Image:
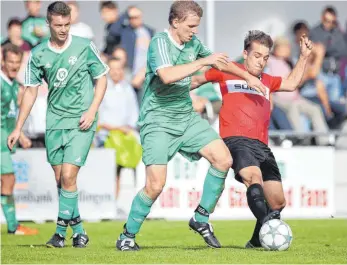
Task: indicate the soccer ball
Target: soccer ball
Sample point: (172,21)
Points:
(275,235)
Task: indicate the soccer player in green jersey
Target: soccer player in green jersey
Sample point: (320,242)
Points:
(169,124)
(10,97)
(68,64)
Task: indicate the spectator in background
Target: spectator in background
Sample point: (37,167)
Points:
(313,86)
(34,27)
(135,38)
(118,110)
(292,103)
(77,28)
(121,54)
(335,45)
(110,14)
(14,35)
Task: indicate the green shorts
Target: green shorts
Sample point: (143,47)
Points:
(160,144)
(6,160)
(68,146)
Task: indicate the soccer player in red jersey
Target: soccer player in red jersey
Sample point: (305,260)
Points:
(244,121)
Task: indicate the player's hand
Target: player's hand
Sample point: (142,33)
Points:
(255,83)
(87,120)
(306,46)
(216,60)
(24,141)
(13,138)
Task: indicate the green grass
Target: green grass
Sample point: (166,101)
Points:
(315,241)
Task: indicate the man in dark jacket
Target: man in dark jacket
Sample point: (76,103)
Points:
(332,38)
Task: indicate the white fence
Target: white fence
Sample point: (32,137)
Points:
(314,180)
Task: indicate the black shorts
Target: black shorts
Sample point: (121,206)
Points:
(248,152)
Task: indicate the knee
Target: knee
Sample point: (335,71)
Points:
(68,179)
(154,188)
(223,163)
(252,177)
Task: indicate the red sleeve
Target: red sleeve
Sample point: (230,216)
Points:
(214,75)
(275,83)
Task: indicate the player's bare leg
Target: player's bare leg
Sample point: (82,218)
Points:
(68,208)
(9,208)
(141,206)
(219,156)
(274,195)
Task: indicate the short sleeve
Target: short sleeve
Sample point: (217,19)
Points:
(158,54)
(203,50)
(275,83)
(214,75)
(96,66)
(33,74)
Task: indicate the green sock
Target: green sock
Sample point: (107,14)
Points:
(76,222)
(67,202)
(213,188)
(140,208)
(9,209)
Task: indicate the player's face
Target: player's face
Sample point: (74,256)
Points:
(116,71)
(256,58)
(59,27)
(187,28)
(12,64)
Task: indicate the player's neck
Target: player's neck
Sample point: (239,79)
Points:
(174,36)
(57,44)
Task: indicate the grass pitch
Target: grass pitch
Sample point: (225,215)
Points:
(315,241)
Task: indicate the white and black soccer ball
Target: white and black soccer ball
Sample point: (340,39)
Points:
(275,235)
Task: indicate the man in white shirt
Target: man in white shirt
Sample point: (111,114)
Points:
(77,28)
(119,109)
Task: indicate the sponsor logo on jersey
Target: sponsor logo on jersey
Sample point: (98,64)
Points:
(72,60)
(62,73)
(191,57)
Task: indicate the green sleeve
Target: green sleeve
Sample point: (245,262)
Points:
(158,54)
(33,74)
(96,66)
(203,50)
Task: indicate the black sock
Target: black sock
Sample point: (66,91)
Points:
(256,201)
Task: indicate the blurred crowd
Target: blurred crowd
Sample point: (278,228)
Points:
(319,105)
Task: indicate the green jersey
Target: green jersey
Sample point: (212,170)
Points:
(9,106)
(28,29)
(69,73)
(169,103)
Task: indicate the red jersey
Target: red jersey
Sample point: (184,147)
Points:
(245,112)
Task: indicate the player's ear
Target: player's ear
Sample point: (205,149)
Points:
(245,54)
(175,23)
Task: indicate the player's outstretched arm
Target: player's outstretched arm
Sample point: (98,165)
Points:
(294,79)
(28,100)
(197,80)
(171,74)
(88,117)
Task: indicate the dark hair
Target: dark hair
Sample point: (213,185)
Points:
(108,4)
(330,9)
(257,36)
(58,8)
(181,9)
(9,47)
(299,25)
(14,21)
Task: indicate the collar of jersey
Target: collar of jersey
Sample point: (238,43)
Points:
(173,41)
(69,39)
(5,77)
